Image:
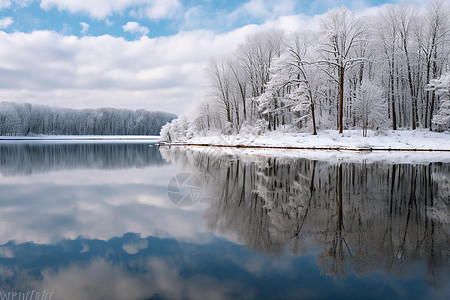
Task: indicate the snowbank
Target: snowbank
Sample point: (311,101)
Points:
(416,140)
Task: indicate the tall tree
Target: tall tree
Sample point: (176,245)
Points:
(441,87)
(387,33)
(432,38)
(406,16)
(341,33)
(220,84)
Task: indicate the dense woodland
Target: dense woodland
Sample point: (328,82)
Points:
(27,119)
(384,71)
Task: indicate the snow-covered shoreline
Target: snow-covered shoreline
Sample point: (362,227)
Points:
(351,140)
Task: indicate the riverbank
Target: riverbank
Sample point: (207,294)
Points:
(350,140)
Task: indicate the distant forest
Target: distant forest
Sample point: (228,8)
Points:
(27,119)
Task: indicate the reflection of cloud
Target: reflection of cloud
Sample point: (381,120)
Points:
(135,247)
(6,272)
(6,252)
(93,204)
(101,279)
(85,249)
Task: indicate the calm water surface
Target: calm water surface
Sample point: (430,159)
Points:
(98,221)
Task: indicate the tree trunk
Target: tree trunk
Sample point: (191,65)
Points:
(341,98)
(392,83)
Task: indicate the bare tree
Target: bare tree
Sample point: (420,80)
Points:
(302,57)
(341,33)
(220,84)
(387,33)
(406,16)
(432,38)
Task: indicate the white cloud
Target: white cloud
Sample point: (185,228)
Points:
(85,27)
(108,22)
(255,8)
(262,9)
(158,9)
(97,9)
(134,27)
(100,9)
(66,29)
(6,22)
(164,73)
(5,4)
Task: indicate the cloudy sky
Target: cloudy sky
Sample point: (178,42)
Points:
(132,53)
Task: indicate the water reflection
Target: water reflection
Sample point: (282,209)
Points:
(363,216)
(94,222)
(32,158)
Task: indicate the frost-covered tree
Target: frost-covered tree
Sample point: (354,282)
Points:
(28,119)
(220,84)
(406,16)
(341,33)
(386,34)
(433,40)
(370,106)
(314,80)
(294,86)
(441,88)
(302,56)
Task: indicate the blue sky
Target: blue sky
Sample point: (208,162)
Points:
(159,17)
(132,53)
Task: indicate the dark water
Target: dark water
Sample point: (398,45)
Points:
(96,221)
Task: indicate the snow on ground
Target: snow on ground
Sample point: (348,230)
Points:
(308,145)
(331,139)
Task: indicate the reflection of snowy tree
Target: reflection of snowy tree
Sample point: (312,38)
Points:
(363,216)
(40,158)
(441,205)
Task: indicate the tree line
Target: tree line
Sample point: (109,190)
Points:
(27,119)
(368,72)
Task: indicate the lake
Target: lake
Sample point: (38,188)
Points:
(138,221)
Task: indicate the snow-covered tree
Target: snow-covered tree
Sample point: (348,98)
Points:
(370,106)
(26,119)
(342,31)
(293,90)
(441,88)
(314,80)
